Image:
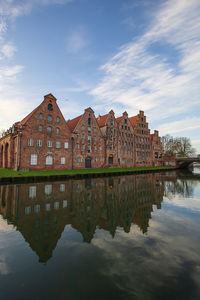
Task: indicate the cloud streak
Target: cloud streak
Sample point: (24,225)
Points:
(141,78)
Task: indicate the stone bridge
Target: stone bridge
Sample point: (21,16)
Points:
(185,162)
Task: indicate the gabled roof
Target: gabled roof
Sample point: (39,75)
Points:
(23,122)
(118,119)
(72,123)
(101,120)
(133,120)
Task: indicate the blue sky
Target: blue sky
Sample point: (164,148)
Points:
(117,54)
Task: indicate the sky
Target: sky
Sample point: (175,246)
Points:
(125,55)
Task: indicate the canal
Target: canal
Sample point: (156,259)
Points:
(126,237)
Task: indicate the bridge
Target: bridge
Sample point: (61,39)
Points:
(185,162)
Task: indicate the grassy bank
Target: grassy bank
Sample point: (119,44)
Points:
(10,173)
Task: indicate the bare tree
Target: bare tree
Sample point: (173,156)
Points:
(179,146)
(2,132)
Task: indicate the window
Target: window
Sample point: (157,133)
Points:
(30,142)
(89,129)
(49,160)
(83,135)
(58,145)
(49,143)
(56,205)
(77,146)
(111,123)
(40,128)
(48,189)
(64,203)
(27,210)
(125,121)
(89,149)
(57,130)
(89,139)
(89,121)
(58,119)
(49,129)
(34,159)
(83,127)
(39,143)
(49,118)
(37,208)
(62,187)
(62,160)
(50,106)
(41,116)
(79,159)
(66,145)
(48,206)
(95,129)
(32,192)
(125,127)
(83,147)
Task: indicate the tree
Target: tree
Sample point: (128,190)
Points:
(179,146)
(2,132)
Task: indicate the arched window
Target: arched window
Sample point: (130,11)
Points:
(49,129)
(49,160)
(50,106)
(49,118)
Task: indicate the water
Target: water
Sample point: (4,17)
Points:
(127,237)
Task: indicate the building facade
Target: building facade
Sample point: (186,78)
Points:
(44,140)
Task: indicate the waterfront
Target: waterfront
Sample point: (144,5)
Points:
(126,237)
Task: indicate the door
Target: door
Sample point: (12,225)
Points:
(88,162)
(110,159)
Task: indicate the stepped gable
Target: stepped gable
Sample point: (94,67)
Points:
(101,120)
(133,120)
(73,123)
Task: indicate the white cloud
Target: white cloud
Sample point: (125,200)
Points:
(140,78)
(7,50)
(180,126)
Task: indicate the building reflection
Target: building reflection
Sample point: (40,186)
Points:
(41,211)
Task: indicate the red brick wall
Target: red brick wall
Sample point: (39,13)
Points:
(88,137)
(31,130)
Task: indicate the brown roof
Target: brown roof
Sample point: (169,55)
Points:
(101,120)
(72,123)
(133,120)
(118,119)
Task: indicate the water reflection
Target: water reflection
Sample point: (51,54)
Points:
(41,211)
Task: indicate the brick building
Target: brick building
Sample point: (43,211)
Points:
(157,149)
(44,140)
(87,141)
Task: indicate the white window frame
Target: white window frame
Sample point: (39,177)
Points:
(66,145)
(49,144)
(34,160)
(39,143)
(62,160)
(48,189)
(30,142)
(58,144)
(32,191)
(49,160)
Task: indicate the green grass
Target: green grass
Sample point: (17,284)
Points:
(11,173)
